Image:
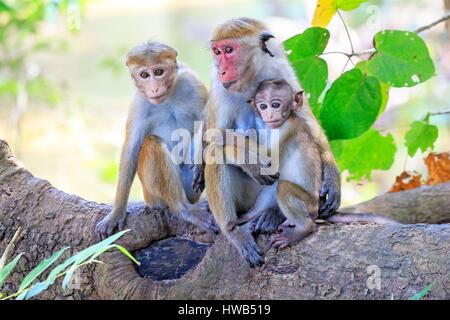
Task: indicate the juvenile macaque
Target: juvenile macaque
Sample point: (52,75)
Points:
(168,97)
(244,54)
(299,165)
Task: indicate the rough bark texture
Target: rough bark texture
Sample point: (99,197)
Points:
(331,264)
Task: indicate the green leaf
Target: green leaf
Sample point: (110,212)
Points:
(348,4)
(312,73)
(420,135)
(351,105)
(4,273)
(75,261)
(402,59)
(311,42)
(422,293)
(360,156)
(362,65)
(36,272)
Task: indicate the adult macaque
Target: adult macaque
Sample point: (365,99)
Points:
(244,55)
(300,167)
(168,97)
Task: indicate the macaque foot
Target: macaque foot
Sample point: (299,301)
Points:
(268,221)
(201,217)
(247,246)
(289,233)
(106,226)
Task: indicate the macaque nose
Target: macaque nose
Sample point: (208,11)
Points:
(155,90)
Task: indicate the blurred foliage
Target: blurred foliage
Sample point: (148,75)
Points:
(359,96)
(21,23)
(115,61)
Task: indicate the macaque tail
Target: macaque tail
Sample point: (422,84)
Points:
(342,217)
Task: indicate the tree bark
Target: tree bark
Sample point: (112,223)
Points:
(337,262)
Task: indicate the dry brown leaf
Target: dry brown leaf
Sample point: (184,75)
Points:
(438,165)
(406,181)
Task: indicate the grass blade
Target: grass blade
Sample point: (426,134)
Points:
(422,293)
(36,272)
(4,273)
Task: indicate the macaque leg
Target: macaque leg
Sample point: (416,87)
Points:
(296,204)
(264,205)
(162,184)
(230,191)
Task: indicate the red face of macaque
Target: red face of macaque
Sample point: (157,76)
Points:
(231,61)
(155,81)
(274,105)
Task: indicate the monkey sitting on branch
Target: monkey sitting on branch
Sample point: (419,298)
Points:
(300,167)
(169,97)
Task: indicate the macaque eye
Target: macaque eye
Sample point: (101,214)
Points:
(228,49)
(159,72)
(275,105)
(263,106)
(216,51)
(144,75)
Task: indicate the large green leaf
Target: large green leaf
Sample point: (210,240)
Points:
(4,273)
(402,59)
(312,73)
(362,65)
(420,135)
(360,156)
(311,42)
(348,4)
(351,105)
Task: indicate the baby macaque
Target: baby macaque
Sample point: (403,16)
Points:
(300,166)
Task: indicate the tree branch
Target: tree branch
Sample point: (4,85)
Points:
(330,264)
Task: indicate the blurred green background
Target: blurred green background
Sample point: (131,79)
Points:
(65,123)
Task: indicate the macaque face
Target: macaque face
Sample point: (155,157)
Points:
(274,105)
(231,61)
(154,81)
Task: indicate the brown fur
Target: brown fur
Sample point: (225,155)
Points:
(150,53)
(238,28)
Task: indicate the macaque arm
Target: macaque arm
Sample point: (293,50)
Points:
(127,170)
(330,190)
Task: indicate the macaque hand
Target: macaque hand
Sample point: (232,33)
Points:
(198,181)
(106,226)
(330,193)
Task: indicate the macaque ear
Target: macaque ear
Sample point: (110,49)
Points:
(251,102)
(298,101)
(264,38)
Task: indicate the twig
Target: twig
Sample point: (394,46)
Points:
(439,113)
(8,249)
(373,50)
(346,30)
(428,26)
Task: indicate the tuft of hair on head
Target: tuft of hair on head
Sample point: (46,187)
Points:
(237,28)
(150,52)
(274,84)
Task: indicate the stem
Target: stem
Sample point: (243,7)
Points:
(346,30)
(345,65)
